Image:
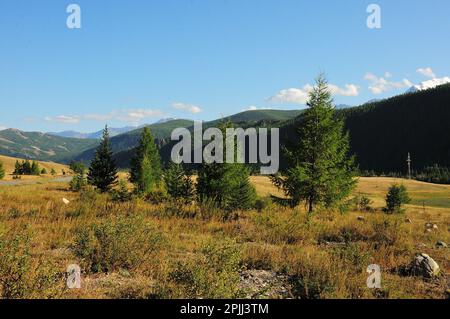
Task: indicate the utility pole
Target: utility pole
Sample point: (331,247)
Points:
(409,165)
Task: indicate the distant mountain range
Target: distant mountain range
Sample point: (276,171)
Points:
(96,135)
(46,147)
(430,84)
(382,132)
(124,144)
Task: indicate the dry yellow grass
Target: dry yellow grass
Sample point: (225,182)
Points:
(9,164)
(278,239)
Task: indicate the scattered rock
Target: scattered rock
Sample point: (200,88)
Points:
(424,266)
(259,284)
(408,220)
(360,218)
(441,244)
(431,226)
(66,201)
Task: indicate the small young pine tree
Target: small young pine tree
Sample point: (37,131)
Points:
(35,168)
(396,197)
(146,170)
(102,171)
(320,171)
(2,171)
(178,182)
(44,171)
(53,172)
(226,184)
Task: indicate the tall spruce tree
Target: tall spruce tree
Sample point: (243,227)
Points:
(320,170)
(2,171)
(226,184)
(146,170)
(103,171)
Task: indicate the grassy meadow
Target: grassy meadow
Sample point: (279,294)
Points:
(9,164)
(152,249)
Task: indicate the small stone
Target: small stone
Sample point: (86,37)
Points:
(360,218)
(66,201)
(435,226)
(441,244)
(408,220)
(424,266)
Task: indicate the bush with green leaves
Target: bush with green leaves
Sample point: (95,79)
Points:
(213,274)
(116,243)
(396,197)
(78,182)
(23,276)
(77,167)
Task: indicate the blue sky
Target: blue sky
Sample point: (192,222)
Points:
(134,62)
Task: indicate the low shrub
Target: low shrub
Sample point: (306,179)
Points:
(22,275)
(214,274)
(116,243)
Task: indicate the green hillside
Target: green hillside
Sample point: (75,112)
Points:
(35,145)
(124,144)
(263,115)
(382,133)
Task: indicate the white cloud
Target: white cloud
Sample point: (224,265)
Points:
(387,74)
(380,85)
(130,116)
(301,95)
(66,119)
(254,108)
(186,107)
(427,72)
(135,115)
(2,128)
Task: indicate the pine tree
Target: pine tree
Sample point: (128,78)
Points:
(26,168)
(226,184)
(35,168)
(17,169)
(103,172)
(178,182)
(146,170)
(320,171)
(396,197)
(2,171)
